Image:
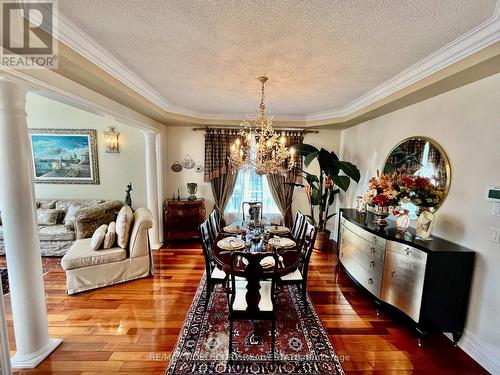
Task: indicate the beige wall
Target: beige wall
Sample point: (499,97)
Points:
(115,170)
(466,122)
(181,141)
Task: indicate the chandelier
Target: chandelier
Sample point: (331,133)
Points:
(259,147)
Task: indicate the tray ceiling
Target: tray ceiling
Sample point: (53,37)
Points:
(203,57)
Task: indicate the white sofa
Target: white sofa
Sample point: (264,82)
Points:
(90,269)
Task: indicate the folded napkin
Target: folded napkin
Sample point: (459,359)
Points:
(282,242)
(267,262)
(231,243)
(233,228)
(278,229)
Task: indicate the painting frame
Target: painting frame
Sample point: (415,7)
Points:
(79,162)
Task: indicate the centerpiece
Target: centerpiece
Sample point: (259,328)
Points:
(384,192)
(394,189)
(334,175)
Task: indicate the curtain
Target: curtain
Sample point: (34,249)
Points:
(282,193)
(222,189)
(217,169)
(217,151)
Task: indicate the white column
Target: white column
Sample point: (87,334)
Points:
(152,185)
(22,247)
(160,168)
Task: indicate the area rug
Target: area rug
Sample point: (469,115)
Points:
(302,344)
(5,279)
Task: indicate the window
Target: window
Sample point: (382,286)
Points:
(250,187)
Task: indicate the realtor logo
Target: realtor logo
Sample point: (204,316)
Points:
(28,40)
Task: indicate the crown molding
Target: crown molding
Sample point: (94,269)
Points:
(469,43)
(466,45)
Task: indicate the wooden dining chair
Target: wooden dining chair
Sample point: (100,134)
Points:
(299,276)
(298,227)
(254,210)
(213,274)
(252,297)
(214,223)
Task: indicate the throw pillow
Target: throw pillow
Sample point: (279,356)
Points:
(69,218)
(63,205)
(98,237)
(123,226)
(49,216)
(47,203)
(110,238)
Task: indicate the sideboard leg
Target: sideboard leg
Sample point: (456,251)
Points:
(421,334)
(456,337)
(377,310)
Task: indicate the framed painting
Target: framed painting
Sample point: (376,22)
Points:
(65,156)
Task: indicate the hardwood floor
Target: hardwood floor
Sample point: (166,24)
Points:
(132,327)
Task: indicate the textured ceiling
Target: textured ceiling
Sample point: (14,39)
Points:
(319,55)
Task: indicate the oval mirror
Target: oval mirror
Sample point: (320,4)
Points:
(424,157)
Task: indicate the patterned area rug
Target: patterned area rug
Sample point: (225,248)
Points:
(5,279)
(302,344)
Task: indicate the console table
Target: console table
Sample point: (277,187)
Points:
(182,218)
(428,281)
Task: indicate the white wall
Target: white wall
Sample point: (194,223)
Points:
(466,122)
(329,140)
(181,141)
(115,170)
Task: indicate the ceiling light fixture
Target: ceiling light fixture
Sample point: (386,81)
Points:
(259,147)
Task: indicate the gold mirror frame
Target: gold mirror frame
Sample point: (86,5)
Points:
(443,154)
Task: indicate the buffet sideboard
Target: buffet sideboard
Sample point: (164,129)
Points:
(428,281)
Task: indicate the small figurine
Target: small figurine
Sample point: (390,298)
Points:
(128,198)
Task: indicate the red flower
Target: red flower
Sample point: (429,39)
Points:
(328,183)
(422,183)
(381,200)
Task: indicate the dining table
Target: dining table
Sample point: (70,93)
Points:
(289,258)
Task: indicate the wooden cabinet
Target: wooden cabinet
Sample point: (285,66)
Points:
(428,281)
(182,218)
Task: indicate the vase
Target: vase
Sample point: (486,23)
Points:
(425,224)
(192,188)
(322,241)
(381,212)
(403,221)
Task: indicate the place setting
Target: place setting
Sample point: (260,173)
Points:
(231,243)
(282,242)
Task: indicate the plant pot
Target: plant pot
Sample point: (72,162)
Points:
(322,241)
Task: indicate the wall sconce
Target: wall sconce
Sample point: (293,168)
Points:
(111,140)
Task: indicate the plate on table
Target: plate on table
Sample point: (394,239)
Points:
(282,242)
(278,229)
(267,262)
(231,243)
(232,228)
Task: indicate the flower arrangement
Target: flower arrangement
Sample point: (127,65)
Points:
(383,190)
(420,191)
(399,187)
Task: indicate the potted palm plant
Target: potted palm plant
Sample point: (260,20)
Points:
(334,175)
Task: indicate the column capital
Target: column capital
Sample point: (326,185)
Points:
(12,95)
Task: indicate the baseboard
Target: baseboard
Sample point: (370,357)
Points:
(483,354)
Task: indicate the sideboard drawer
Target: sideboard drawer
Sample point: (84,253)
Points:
(368,278)
(403,278)
(372,238)
(368,254)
